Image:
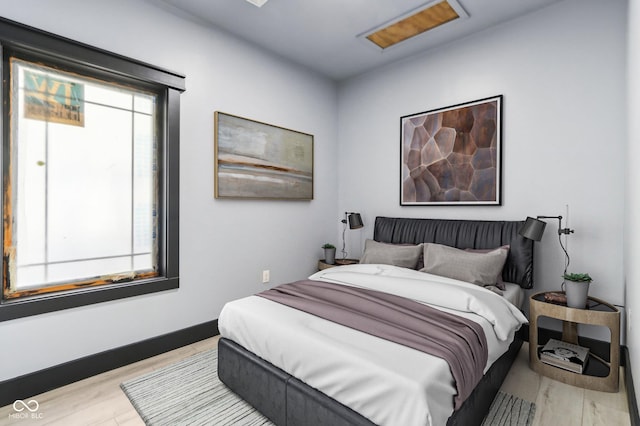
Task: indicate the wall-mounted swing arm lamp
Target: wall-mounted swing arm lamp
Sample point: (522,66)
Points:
(355,222)
(534,228)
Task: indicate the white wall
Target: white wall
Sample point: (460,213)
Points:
(224,244)
(562,73)
(632,243)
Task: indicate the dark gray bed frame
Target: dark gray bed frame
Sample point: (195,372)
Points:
(285,400)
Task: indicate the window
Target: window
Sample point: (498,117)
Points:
(90,174)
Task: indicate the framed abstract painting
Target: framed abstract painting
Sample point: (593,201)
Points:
(261,161)
(452,155)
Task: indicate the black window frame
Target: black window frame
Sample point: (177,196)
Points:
(35,43)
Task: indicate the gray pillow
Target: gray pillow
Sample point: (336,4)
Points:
(402,255)
(499,281)
(477,268)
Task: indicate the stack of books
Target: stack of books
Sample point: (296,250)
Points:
(565,355)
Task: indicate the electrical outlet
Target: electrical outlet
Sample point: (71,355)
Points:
(265,276)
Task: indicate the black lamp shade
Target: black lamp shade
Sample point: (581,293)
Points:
(355,221)
(533,229)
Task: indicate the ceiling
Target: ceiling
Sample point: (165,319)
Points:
(323,34)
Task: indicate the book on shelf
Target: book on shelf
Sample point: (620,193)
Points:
(565,355)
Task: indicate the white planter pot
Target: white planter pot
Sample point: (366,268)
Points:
(577,293)
(330,256)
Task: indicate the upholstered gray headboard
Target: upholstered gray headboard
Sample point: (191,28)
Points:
(477,234)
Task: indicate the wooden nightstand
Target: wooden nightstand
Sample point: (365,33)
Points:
(322,265)
(600,374)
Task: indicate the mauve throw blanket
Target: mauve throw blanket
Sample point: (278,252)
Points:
(459,341)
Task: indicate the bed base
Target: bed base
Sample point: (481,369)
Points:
(287,401)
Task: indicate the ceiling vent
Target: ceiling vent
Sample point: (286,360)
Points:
(415,22)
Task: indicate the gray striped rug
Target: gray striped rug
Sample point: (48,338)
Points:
(190,393)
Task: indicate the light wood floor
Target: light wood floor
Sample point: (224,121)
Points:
(99,400)
(561,404)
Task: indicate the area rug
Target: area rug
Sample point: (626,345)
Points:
(508,410)
(190,393)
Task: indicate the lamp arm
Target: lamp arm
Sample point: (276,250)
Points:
(354,221)
(561,230)
(344,229)
(566,253)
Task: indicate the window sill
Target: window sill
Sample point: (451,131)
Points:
(36,305)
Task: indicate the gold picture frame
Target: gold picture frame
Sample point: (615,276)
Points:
(257,160)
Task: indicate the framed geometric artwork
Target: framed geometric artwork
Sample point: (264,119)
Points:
(260,161)
(452,155)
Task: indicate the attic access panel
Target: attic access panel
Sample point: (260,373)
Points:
(415,22)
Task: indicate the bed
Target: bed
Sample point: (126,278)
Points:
(298,369)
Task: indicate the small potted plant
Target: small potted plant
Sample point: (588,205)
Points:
(576,287)
(329,253)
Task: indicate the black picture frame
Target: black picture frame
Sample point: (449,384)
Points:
(452,155)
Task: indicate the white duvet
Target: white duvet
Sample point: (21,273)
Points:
(388,383)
